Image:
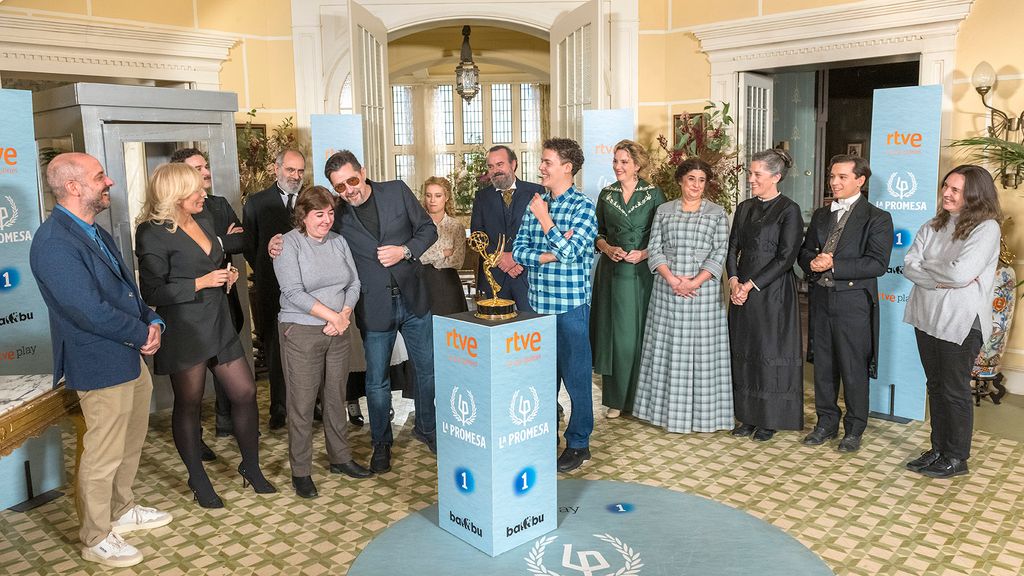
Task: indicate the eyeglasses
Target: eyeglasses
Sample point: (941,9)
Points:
(352,182)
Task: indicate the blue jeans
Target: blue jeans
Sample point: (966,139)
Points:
(419,340)
(574,364)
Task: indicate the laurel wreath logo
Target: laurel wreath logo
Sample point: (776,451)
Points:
(900,188)
(527,418)
(12,216)
(462,416)
(535,559)
(631,558)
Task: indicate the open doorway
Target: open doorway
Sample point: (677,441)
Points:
(815,113)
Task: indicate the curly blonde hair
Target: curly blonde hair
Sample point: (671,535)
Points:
(169,185)
(639,155)
(449,204)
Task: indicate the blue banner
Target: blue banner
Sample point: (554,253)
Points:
(24,324)
(331,133)
(602,130)
(904,165)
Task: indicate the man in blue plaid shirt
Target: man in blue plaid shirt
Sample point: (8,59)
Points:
(556,245)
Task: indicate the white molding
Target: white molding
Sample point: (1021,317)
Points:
(30,44)
(823,25)
(925,29)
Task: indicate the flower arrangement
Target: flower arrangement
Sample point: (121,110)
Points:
(704,135)
(469,176)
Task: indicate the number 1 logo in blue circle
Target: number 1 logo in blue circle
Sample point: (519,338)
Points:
(524,480)
(901,238)
(620,508)
(9,278)
(464,481)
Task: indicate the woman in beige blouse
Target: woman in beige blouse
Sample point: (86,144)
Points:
(441,261)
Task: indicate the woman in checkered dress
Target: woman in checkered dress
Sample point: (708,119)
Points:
(685,382)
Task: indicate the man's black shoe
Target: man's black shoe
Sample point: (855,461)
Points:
(206,454)
(743,430)
(763,434)
(277,421)
(561,412)
(304,487)
(945,467)
(849,443)
(926,459)
(318,413)
(352,469)
(224,432)
(819,436)
(430,441)
(572,458)
(381,460)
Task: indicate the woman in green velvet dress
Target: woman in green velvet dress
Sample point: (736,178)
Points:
(622,283)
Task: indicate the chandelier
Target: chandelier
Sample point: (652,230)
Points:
(467,73)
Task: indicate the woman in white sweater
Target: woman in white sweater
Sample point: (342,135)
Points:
(952,264)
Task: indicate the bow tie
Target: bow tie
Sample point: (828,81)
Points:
(838,205)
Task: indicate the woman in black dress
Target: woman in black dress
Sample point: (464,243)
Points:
(764,318)
(179,274)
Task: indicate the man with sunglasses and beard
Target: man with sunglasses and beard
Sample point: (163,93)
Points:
(387,230)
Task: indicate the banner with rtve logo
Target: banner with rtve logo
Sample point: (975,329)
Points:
(24,324)
(905,132)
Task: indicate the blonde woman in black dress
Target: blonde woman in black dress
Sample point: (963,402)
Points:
(180,274)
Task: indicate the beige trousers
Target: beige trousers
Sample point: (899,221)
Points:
(116,422)
(312,360)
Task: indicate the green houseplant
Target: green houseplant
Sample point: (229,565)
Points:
(1007,156)
(257,151)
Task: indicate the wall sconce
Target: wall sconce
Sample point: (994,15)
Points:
(1001,125)
(467,74)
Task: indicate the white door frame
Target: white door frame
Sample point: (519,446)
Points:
(865,30)
(320,40)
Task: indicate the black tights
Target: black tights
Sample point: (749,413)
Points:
(189,385)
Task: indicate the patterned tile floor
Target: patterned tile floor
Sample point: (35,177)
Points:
(862,513)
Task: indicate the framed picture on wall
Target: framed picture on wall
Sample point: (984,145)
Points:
(855,149)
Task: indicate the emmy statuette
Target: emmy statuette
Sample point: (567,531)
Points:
(492,308)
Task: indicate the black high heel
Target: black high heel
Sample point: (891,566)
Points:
(256,479)
(204,498)
(355,415)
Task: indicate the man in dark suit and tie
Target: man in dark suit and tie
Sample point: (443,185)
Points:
(498,210)
(387,230)
(266,214)
(846,249)
(100,329)
(218,211)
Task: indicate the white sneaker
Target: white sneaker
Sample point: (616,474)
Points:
(113,551)
(612,413)
(140,518)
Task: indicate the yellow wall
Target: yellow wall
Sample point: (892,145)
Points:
(260,67)
(673,73)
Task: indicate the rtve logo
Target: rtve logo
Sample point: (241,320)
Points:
(9,156)
(455,340)
(897,138)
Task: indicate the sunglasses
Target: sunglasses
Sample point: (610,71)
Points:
(352,181)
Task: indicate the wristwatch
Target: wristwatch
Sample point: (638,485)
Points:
(406,253)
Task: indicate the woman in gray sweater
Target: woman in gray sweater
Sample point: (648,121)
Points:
(319,289)
(952,264)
